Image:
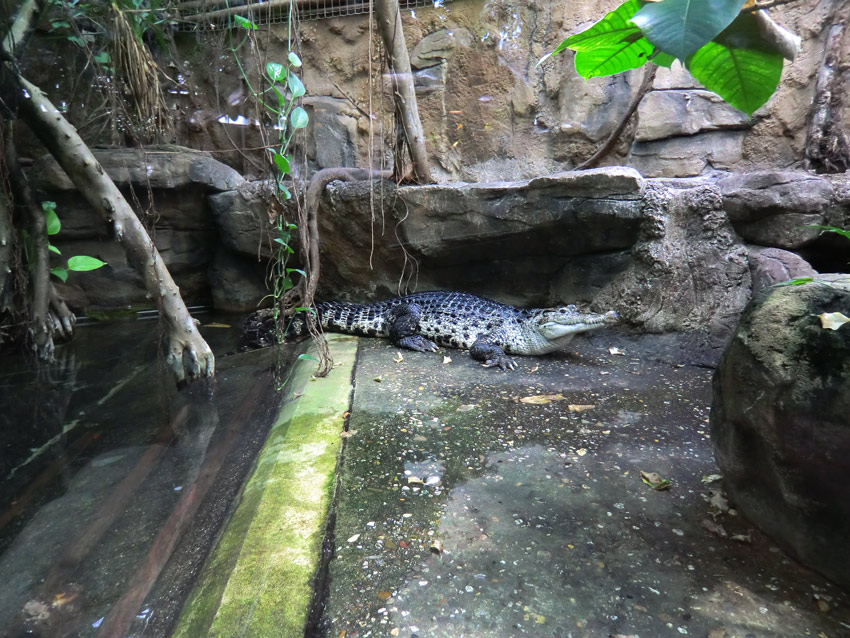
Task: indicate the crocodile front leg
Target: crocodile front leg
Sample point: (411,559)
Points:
(487,350)
(403,326)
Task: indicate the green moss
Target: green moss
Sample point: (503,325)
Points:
(258,581)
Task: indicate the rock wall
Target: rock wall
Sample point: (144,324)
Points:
(490,113)
(667,254)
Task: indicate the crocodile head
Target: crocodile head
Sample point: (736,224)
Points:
(559,325)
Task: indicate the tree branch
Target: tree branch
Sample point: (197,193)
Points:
(189,356)
(602,151)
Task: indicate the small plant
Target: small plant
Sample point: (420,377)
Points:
(279,99)
(79,263)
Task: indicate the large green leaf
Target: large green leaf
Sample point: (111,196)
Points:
(610,30)
(82,263)
(607,60)
(738,65)
(681,27)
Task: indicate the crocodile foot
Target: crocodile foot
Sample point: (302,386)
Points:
(417,343)
(503,361)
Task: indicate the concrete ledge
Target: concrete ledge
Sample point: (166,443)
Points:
(258,580)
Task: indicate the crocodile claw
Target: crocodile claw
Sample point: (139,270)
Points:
(417,343)
(502,361)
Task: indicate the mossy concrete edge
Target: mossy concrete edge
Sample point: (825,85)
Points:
(258,580)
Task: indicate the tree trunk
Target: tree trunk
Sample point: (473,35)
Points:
(827,144)
(40,324)
(389,24)
(189,356)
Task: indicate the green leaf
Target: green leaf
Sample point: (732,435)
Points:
(53,223)
(102,58)
(294,60)
(281,162)
(608,60)
(295,86)
(284,191)
(82,263)
(832,229)
(53,249)
(79,42)
(797,282)
(738,65)
(610,30)
(60,272)
(662,59)
(275,71)
(245,23)
(289,271)
(298,118)
(307,357)
(681,27)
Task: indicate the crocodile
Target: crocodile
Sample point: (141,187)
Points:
(489,330)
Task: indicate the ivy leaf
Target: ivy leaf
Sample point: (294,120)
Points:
(681,27)
(295,86)
(275,71)
(281,162)
(298,118)
(60,272)
(738,65)
(245,23)
(53,249)
(82,263)
(607,60)
(53,223)
(294,60)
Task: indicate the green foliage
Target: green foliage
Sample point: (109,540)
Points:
(832,229)
(680,27)
(279,98)
(79,263)
(719,44)
(737,66)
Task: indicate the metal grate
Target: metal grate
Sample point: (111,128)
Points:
(204,15)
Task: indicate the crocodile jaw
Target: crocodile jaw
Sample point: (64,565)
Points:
(561,324)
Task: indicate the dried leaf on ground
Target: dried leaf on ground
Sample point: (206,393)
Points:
(616,350)
(542,399)
(832,320)
(578,407)
(348,434)
(447,359)
(742,538)
(467,407)
(711,478)
(655,480)
(378,379)
(414,480)
(714,528)
(718,501)
(398,358)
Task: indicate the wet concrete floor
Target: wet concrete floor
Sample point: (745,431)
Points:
(478,503)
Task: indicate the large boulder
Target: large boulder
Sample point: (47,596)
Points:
(506,240)
(780,421)
(689,270)
(774,208)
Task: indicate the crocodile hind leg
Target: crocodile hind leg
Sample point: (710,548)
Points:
(485,350)
(403,326)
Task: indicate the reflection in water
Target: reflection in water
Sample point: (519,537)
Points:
(114,482)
